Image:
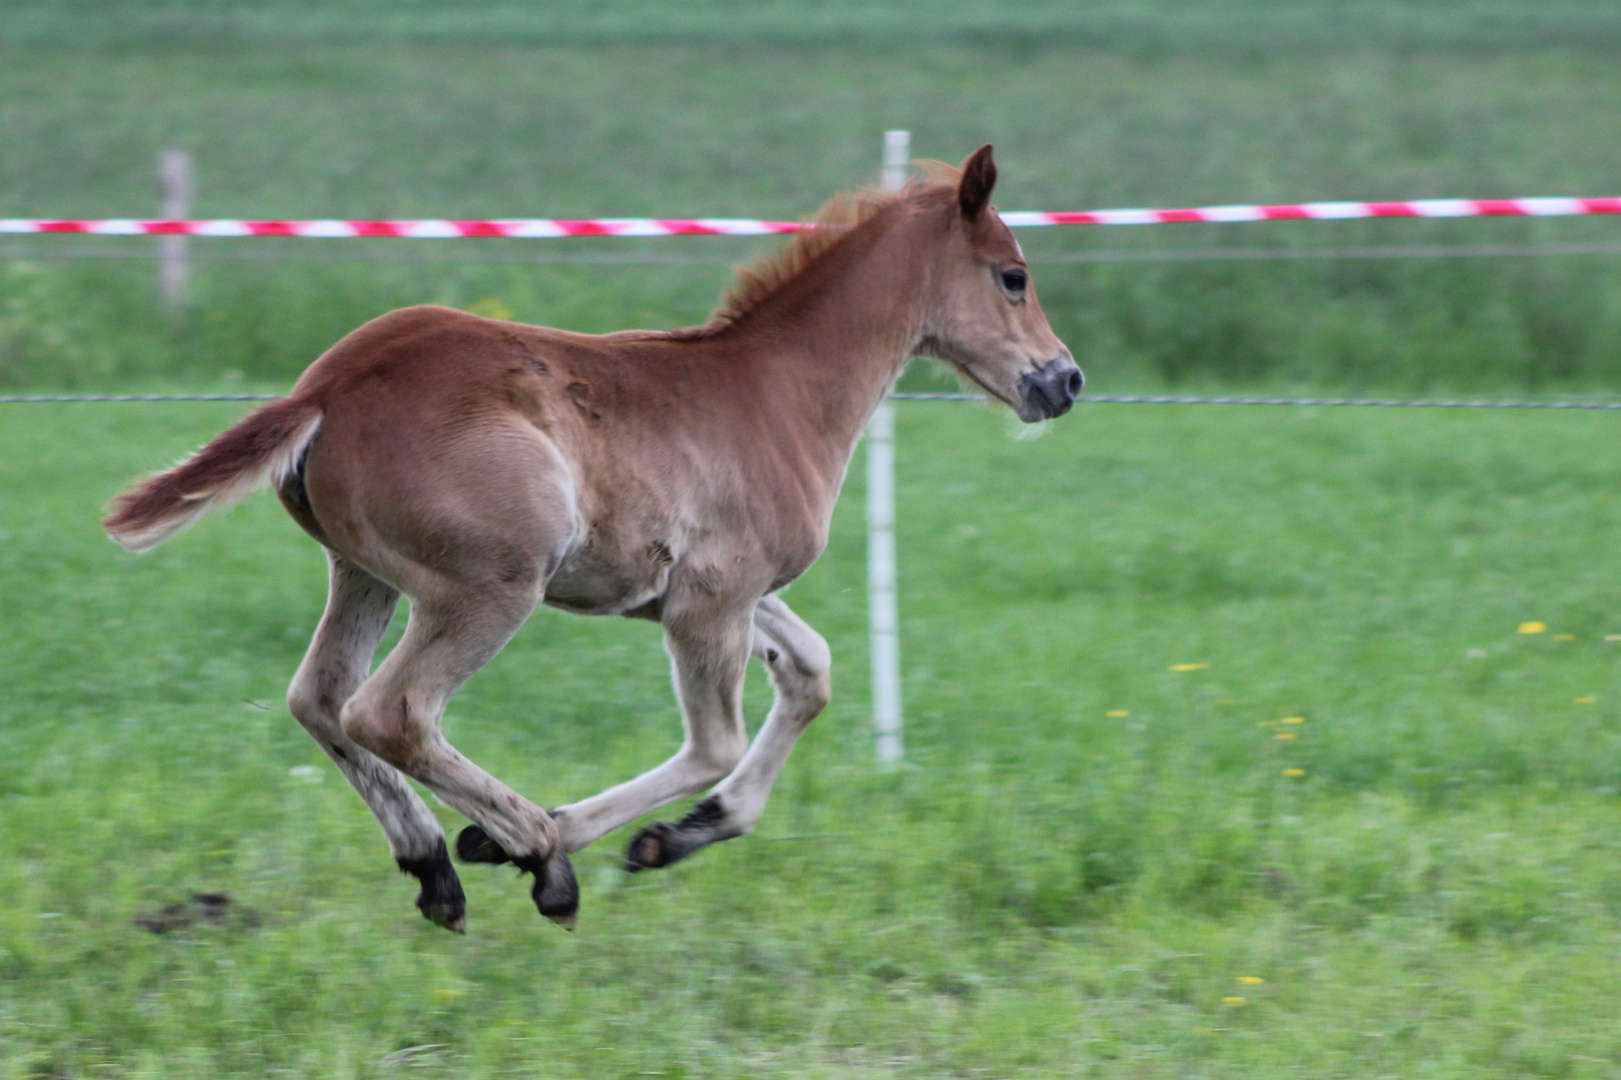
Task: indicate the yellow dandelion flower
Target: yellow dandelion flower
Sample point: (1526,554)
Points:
(491,308)
(445,995)
(1233,1002)
(1250,980)
(1564,637)
(1294,772)
(1287,735)
(1117,713)
(1189,667)
(1293,720)
(1585,700)
(1531,628)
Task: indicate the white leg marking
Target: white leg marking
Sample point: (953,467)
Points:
(707,657)
(397,714)
(358,610)
(801,665)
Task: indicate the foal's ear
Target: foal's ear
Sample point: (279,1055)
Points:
(978,181)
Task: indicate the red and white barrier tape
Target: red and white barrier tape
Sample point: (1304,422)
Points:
(540,228)
(1328,211)
(517,228)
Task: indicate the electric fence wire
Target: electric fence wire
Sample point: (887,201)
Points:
(1090,399)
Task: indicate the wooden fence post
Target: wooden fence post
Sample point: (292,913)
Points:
(177,183)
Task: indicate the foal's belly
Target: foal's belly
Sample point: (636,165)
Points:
(596,580)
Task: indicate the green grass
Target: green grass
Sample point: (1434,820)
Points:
(1086,850)
(1045,890)
(402,128)
(1152,26)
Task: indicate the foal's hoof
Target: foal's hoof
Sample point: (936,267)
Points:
(556,892)
(663,843)
(441,900)
(652,848)
(475,846)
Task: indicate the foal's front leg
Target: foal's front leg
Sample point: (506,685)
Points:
(800,665)
(708,645)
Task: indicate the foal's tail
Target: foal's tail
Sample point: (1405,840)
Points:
(265,445)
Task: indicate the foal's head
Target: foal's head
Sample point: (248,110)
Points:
(986,321)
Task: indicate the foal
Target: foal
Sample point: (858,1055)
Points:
(483,467)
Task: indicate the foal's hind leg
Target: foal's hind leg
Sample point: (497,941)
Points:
(358,610)
(799,662)
(397,715)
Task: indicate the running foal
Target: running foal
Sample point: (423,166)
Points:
(482,468)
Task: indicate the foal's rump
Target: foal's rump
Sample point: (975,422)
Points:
(435,504)
(418,436)
(262,448)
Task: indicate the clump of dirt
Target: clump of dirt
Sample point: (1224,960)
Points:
(204,908)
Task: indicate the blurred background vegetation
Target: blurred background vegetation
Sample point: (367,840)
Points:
(367,109)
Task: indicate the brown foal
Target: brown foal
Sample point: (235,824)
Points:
(482,468)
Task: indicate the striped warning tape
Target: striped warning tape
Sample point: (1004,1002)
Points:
(513,228)
(542,228)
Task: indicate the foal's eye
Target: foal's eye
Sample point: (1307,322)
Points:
(1013,281)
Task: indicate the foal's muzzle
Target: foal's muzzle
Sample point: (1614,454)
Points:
(1049,390)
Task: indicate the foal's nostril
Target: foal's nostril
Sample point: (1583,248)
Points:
(1050,390)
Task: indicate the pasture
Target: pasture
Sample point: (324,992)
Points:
(1092,864)
(1085,857)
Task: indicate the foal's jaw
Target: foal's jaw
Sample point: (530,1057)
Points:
(1044,391)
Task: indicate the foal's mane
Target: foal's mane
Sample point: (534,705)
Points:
(765,276)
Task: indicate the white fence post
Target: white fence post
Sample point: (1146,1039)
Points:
(882,608)
(176,181)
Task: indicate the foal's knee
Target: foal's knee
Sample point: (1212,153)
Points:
(308,706)
(805,674)
(382,727)
(817,690)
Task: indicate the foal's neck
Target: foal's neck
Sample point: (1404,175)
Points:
(837,336)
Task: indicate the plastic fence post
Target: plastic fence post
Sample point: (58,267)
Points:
(882,607)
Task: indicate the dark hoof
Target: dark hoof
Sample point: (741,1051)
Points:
(556,892)
(663,843)
(648,847)
(474,845)
(441,900)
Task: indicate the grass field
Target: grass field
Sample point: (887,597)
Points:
(1092,864)
(1142,26)
(1085,858)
